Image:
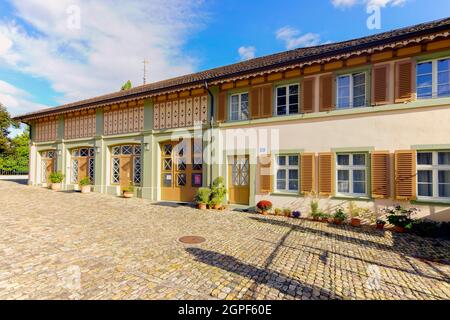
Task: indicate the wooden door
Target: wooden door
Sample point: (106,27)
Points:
(125,171)
(82,168)
(239,180)
(178,171)
(49,168)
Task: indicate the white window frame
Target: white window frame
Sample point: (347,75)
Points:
(435,167)
(434,76)
(350,167)
(286,167)
(288,97)
(351,94)
(240,114)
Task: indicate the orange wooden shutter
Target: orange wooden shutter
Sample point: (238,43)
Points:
(326,174)
(222,107)
(380,85)
(261,101)
(404,81)
(267,100)
(307,92)
(307,173)
(326,93)
(265,174)
(380,175)
(405,175)
(255,101)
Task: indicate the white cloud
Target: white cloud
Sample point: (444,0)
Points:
(108,49)
(247,53)
(16,100)
(378,3)
(294,39)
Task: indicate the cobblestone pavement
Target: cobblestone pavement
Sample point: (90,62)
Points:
(59,245)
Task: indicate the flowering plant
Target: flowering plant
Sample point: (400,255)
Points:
(264,205)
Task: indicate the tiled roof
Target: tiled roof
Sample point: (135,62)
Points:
(261,63)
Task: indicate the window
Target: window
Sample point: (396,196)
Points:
(239,106)
(287,99)
(433,79)
(352,174)
(287,173)
(351,91)
(433,175)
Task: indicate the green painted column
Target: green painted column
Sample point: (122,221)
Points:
(100,153)
(147,157)
(60,148)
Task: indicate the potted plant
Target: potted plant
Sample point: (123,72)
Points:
(400,218)
(315,214)
(128,192)
(287,212)
(85,185)
(202,198)
(56,178)
(339,216)
(296,214)
(380,224)
(278,212)
(355,213)
(264,207)
(324,217)
(218,193)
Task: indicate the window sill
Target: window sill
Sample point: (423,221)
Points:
(440,203)
(286,194)
(353,198)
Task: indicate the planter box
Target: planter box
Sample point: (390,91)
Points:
(85,189)
(56,186)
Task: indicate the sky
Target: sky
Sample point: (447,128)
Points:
(58,51)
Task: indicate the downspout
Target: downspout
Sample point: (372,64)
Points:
(211,126)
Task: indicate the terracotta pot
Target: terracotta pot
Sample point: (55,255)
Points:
(380,226)
(201,206)
(399,229)
(337,221)
(264,213)
(56,186)
(85,189)
(128,194)
(217,206)
(356,222)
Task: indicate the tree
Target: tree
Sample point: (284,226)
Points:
(5,124)
(127,86)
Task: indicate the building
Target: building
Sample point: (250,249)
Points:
(364,120)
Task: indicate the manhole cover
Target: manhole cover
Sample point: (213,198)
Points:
(192,240)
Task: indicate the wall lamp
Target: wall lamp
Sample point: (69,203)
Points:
(147,146)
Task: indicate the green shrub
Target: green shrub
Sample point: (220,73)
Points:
(287,212)
(400,217)
(315,208)
(203,196)
(278,211)
(218,190)
(56,177)
(340,215)
(129,189)
(85,182)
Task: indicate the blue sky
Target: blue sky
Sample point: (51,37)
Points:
(53,52)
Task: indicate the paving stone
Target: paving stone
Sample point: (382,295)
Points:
(62,245)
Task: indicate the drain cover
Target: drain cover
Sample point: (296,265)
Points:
(192,240)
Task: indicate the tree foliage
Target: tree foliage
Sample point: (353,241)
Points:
(127,86)
(14,153)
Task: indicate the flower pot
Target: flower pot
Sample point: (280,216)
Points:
(217,206)
(338,221)
(85,189)
(356,222)
(380,226)
(399,229)
(264,213)
(128,194)
(56,186)
(201,206)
